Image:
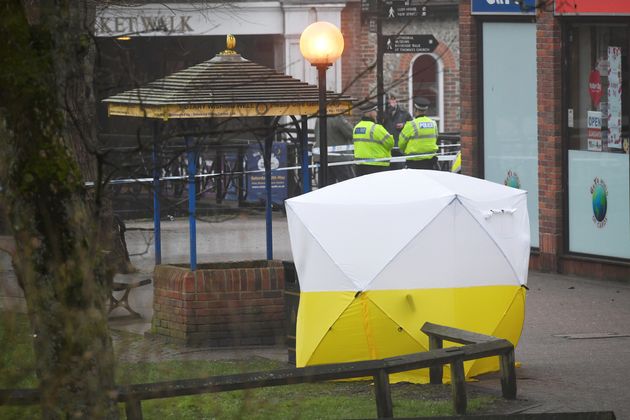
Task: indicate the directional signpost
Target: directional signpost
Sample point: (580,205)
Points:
(408,43)
(390,11)
(397,9)
(368,6)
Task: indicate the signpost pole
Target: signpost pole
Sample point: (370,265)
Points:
(379,60)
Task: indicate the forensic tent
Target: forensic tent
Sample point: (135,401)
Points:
(379,255)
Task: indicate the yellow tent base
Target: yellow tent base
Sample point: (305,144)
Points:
(336,327)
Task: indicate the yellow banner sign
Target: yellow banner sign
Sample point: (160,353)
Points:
(233,110)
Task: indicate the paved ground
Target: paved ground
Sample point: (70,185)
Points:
(575,347)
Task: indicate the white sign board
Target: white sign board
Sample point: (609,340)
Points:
(594,127)
(174,19)
(614,98)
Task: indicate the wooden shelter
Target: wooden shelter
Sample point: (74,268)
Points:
(225,86)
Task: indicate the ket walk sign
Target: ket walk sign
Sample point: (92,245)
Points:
(409,43)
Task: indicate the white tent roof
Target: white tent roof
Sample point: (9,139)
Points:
(409,229)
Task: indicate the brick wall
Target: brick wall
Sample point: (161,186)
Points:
(223,304)
(359,59)
(469,90)
(550,162)
(359,56)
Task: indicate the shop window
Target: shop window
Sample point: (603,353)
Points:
(598,128)
(426,81)
(598,92)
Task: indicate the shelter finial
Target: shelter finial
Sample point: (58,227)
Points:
(230,43)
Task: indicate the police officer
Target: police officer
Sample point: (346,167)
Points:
(394,120)
(419,137)
(371,141)
(457,163)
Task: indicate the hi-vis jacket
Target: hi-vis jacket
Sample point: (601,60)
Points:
(372,141)
(419,137)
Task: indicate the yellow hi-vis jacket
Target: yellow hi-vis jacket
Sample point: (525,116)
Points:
(457,163)
(419,136)
(372,141)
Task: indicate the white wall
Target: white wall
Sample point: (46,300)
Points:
(248,18)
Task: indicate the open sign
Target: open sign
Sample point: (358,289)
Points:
(594,120)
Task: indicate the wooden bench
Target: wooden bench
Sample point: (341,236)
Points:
(476,346)
(480,346)
(123,301)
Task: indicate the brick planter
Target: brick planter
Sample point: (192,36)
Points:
(220,304)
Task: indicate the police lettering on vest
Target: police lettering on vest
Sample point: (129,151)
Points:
(419,137)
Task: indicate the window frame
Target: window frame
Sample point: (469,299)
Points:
(439,65)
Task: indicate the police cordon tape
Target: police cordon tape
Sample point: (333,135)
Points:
(447,157)
(350,147)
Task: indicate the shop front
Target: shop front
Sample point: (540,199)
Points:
(597,90)
(546,108)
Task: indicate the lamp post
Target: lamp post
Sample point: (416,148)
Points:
(321,44)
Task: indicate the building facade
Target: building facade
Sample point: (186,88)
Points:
(156,39)
(546,108)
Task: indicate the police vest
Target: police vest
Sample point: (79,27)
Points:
(372,141)
(419,137)
(457,163)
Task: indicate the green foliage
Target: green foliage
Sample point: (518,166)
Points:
(17,360)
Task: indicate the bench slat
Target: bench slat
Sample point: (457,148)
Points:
(454,335)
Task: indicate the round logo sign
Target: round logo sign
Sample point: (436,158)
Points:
(512,180)
(599,200)
(595,87)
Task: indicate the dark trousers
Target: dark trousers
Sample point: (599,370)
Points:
(396,165)
(363,169)
(422,164)
(340,173)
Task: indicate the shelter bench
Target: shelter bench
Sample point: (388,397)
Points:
(123,300)
(477,346)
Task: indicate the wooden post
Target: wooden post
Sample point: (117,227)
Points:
(435,372)
(384,408)
(458,386)
(508,375)
(133,409)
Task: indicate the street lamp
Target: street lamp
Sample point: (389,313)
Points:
(321,44)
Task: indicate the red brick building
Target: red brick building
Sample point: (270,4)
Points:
(545,105)
(156,39)
(434,75)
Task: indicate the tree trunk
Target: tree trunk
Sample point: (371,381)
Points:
(47,140)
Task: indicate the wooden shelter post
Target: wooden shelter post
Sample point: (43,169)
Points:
(156,194)
(192,203)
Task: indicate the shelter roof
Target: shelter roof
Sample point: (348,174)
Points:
(227,85)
